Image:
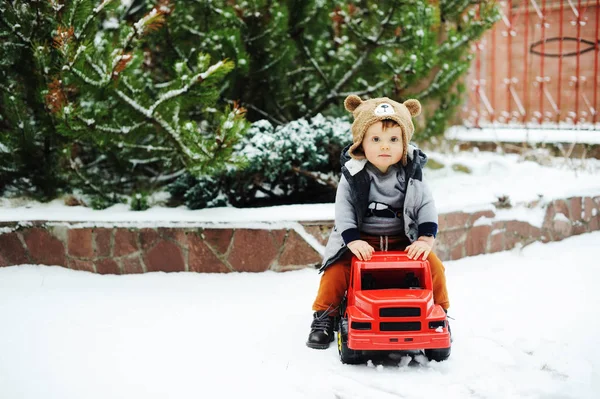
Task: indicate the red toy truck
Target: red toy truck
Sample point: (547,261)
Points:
(389,307)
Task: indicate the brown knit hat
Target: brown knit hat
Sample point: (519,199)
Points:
(378,109)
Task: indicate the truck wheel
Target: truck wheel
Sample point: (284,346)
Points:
(347,355)
(439,355)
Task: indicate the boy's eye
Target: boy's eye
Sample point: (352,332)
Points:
(394,139)
(376,139)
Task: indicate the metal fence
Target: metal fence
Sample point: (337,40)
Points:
(537,67)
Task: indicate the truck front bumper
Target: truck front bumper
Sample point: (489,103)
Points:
(398,341)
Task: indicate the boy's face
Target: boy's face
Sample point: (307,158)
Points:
(383,148)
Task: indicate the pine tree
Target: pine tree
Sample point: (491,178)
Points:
(298,58)
(86,102)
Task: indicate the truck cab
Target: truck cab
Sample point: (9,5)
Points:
(389,307)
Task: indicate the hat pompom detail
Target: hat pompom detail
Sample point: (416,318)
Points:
(414,106)
(352,102)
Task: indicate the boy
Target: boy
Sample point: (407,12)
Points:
(381,204)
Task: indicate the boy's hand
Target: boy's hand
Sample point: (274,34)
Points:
(422,246)
(361,249)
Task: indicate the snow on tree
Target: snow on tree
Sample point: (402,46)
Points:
(296,162)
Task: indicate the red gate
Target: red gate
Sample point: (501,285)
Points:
(537,67)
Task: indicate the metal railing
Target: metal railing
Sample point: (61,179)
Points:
(537,67)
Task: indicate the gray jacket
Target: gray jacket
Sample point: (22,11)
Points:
(420,214)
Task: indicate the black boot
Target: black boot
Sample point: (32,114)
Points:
(321,330)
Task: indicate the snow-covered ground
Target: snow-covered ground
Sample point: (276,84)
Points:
(526,326)
(491,175)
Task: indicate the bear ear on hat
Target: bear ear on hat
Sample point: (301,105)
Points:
(352,102)
(414,106)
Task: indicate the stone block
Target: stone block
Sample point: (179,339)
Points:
(278,237)
(177,235)
(451,238)
(453,220)
(252,251)
(201,258)
(496,242)
(79,264)
(103,247)
(132,265)
(148,238)
(166,256)
(488,214)
(125,242)
(588,206)
(561,206)
(12,251)
(44,248)
(79,243)
(297,252)
(320,232)
(107,266)
(219,239)
(477,239)
(457,252)
(575,204)
(579,228)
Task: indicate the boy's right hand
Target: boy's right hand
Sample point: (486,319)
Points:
(361,249)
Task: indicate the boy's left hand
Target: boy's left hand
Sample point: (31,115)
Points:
(422,246)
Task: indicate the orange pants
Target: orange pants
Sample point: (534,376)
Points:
(335,279)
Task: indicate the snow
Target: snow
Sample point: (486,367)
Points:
(524,326)
(111,23)
(564,133)
(492,175)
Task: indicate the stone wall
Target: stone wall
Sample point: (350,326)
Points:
(124,249)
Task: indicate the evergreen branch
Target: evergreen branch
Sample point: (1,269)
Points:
(169,177)
(97,190)
(315,176)
(177,49)
(108,129)
(260,36)
(355,30)
(95,162)
(95,67)
(80,50)
(297,71)
(136,162)
(315,64)
(15,29)
(96,11)
(442,80)
(73,10)
(193,31)
(260,111)
(334,93)
(177,92)
(368,90)
(310,17)
(147,147)
(269,65)
(132,89)
(395,41)
(163,85)
(84,77)
(162,123)
(144,111)
(11,44)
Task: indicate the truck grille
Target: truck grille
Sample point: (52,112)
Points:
(400,326)
(399,312)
